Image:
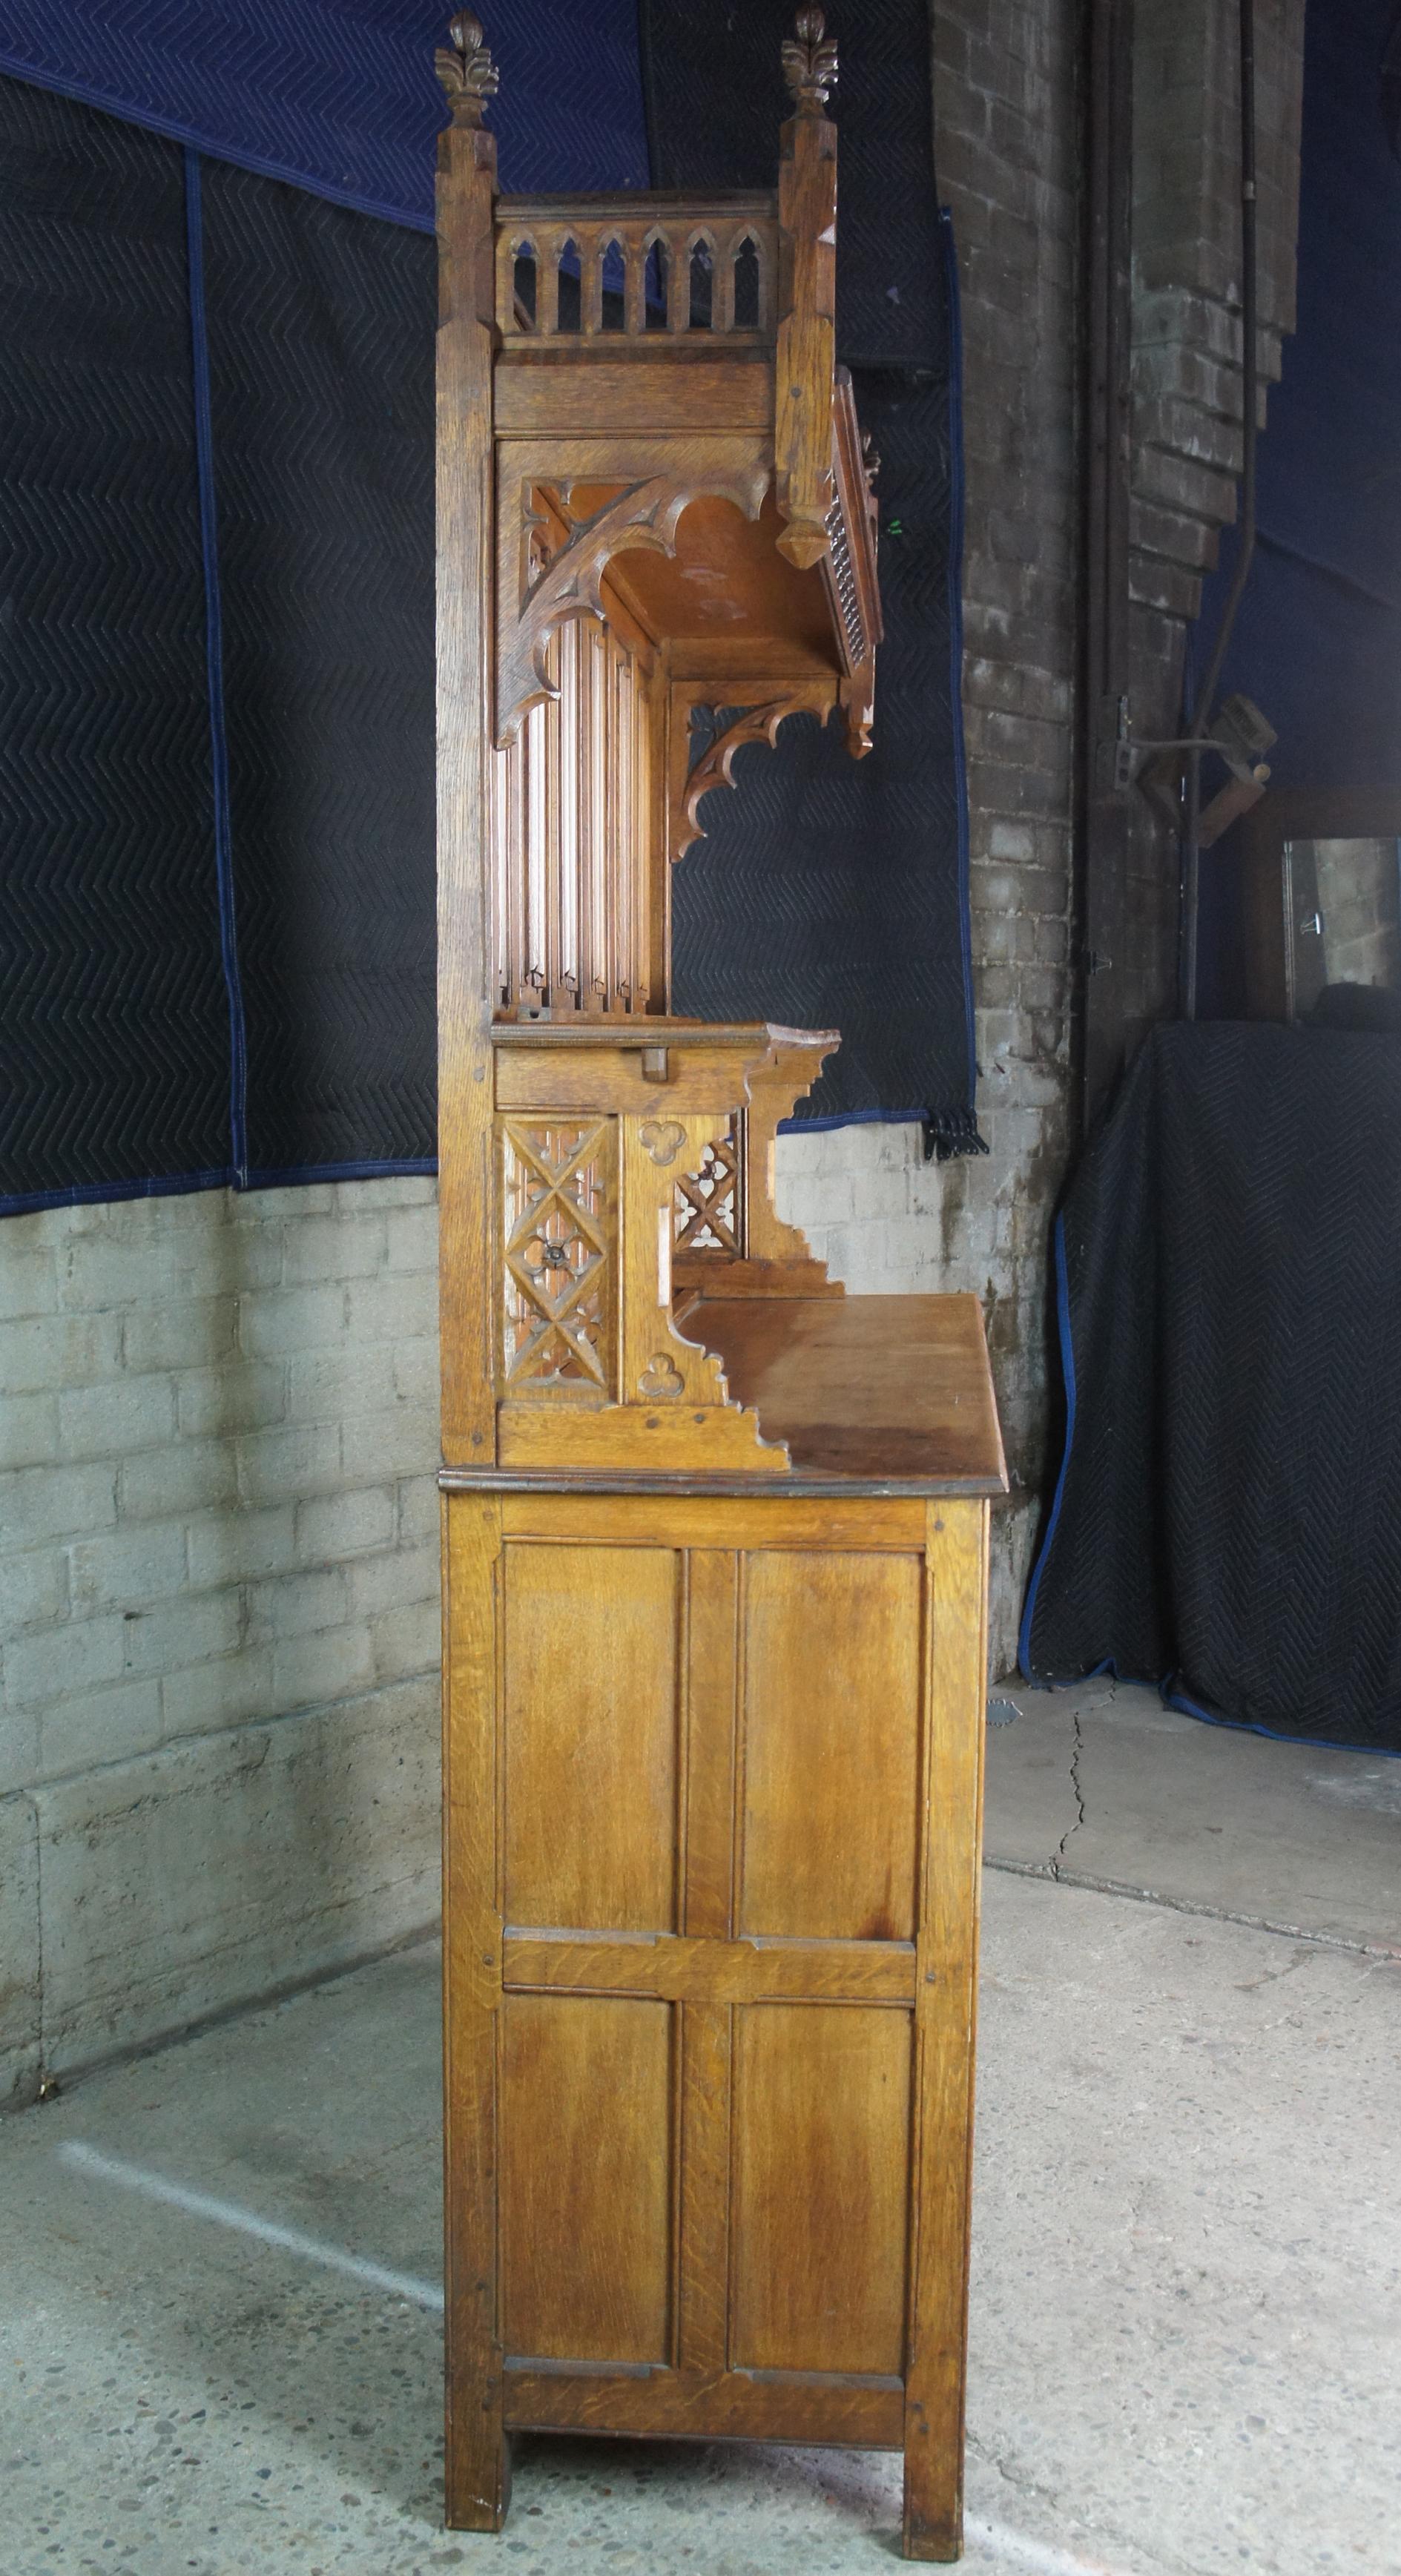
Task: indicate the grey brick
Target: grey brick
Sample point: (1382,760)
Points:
(226,1546)
(416,1371)
(326,1666)
(387,1582)
(392,1443)
(227,1691)
(420,1510)
(99,1726)
(275,1320)
(62,1661)
(55,1502)
(391,1309)
(28,1278)
(406,1640)
(178,1333)
(183,1631)
(412,1241)
(124,1413)
(146,1563)
(19,1769)
(186,1476)
(293,1460)
(324,1385)
(343,1524)
(28,1430)
(296,1605)
(242,1397)
(56,1351)
(34,1588)
(332,1247)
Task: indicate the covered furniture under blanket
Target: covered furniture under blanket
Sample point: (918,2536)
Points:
(1228,1515)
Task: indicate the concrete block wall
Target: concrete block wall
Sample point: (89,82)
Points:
(218,1605)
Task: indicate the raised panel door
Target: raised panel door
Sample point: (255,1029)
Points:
(830,1744)
(591,1719)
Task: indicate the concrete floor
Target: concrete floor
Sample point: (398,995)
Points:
(1186,2339)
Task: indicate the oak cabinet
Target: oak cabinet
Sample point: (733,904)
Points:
(714,1773)
(714,1532)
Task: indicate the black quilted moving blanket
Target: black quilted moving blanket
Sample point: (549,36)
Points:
(1228,1517)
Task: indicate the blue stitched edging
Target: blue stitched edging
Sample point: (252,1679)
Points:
(1067,1362)
(294,1177)
(180,1184)
(960,765)
(88,1193)
(1171,1697)
(194,142)
(853,1118)
(214,661)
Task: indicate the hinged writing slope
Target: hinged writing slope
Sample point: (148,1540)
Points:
(714,1534)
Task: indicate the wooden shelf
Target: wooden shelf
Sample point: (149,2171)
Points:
(888,1390)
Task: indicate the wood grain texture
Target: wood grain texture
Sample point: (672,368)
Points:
(945,2016)
(703,2270)
(696,1439)
(712,1586)
(832,1687)
(897,1387)
(592,1719)
(477,2465)
(735,2405)
(586,2178)
(821,2178)
(682,1969)
(466,334)
(703,1521)
(540,393)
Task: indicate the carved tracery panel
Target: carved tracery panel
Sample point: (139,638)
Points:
(558,1196)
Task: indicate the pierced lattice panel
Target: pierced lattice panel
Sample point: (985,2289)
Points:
(709,1215)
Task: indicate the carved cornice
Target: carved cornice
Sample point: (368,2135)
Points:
(810,63)
(466,70)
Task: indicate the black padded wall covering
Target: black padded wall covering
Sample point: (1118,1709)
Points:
(114,1029)
(321,332)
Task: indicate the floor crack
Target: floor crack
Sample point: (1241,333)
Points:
(1077,1747)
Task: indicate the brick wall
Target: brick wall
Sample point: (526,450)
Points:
(218,1604)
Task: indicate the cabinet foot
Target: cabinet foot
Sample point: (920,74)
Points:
(477,2483)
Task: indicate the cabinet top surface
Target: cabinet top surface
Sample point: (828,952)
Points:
(873,1395)
(895,1389)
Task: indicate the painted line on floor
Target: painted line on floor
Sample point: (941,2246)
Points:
(1052,1875)
(246,2222)
(1032,2556)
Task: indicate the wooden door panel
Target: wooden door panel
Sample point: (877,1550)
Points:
(832,1673)
(591,1736)
(821,2177)
(586,2189)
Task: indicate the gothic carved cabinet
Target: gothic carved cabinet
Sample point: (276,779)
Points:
(714,1533)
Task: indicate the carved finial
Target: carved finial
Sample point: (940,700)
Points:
(810,63)
(466,70)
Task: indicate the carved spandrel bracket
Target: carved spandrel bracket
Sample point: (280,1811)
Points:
(715,767)
(466,70)
(646,515)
